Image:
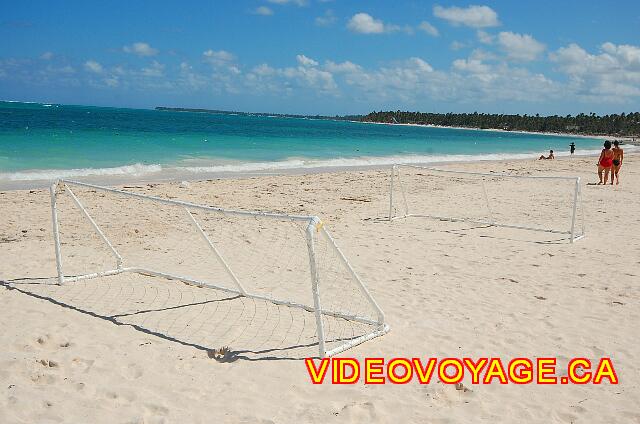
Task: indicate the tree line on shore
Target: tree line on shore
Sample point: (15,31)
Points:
(623,125)
(615,125)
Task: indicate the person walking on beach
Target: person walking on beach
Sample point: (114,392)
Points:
(618,155)
(572,148)
(605,162)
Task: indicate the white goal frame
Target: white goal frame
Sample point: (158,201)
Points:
(314,226)
(573,232)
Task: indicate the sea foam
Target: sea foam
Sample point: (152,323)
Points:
(134,170)
(210,166)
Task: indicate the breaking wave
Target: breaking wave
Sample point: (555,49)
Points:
(210,166)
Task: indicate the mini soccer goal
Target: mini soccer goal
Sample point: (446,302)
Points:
(290,261)
(553,205)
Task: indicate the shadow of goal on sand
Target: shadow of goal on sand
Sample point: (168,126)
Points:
(227,327)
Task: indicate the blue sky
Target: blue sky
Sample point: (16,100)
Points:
(327,57)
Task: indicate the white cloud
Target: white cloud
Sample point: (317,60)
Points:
(112,81)
(311,77)
(306,61)
(327,19)
(296,2)
(484,37)
(520,47)
(472,16)
(470,81)
(222,62)
(155,70)
(307,76)
(420,64)
(190,80)
(263,70)
(483,55)
(218,57)
(628,55)
(612,75)
(344,67)
(428,28)
(474,66)
(263,10)
(140,49)
(365,24)
(483,82)
(404,81)
(93,66)
(574,60)
(46,56)
(67,69)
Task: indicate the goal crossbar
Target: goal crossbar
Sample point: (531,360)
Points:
(573,231)
(314,226)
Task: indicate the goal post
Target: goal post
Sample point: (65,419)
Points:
(555,202)
(284,259)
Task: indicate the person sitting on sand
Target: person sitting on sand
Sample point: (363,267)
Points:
(605,162)
(618,155)
(551,156)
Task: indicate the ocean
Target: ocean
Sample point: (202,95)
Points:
(41,142)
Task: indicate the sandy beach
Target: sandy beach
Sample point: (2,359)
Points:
(137,350)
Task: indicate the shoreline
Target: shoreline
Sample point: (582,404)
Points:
(626,139)
(187,174)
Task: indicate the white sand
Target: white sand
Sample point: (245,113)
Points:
(448,289)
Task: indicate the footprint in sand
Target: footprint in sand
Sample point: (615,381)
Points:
(156,409)
(133,371)
(43,340)
(44,379)
(449,394)
(111,395)
(82,365)
(358,411)
(565,417)
(36,313)
(49,363)
(127,395)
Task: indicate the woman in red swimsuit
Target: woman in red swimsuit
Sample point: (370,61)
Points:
(605,162)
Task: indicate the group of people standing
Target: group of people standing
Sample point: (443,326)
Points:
(610,162)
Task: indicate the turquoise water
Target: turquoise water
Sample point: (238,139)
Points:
(40,141)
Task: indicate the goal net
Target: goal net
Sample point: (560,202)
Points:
(553,203)
(263,284)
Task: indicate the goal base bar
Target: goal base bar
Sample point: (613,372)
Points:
(489,223)
(382,328)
